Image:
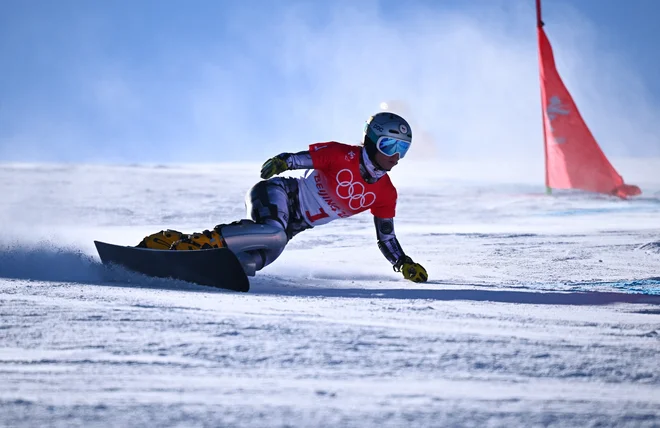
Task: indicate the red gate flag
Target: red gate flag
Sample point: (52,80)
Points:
(573,158)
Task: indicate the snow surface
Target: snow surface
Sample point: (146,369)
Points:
(540,310)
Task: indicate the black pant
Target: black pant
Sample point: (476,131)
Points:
(275,202)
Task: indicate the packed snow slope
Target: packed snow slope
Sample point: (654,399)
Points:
(539,311)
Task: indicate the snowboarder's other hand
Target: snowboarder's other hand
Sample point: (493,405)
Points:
(411,271)
(273,166)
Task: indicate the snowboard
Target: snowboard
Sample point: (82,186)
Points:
(217,267)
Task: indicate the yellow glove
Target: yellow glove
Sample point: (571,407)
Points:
(274,166)
(411,271)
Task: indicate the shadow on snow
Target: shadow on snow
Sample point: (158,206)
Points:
(66,265)
(474,293)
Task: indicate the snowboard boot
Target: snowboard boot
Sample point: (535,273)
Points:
(162,240)
(204,240)
(199,241)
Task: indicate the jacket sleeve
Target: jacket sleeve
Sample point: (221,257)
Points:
(300,160)
(387,242)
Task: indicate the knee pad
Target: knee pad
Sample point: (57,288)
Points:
(249,236)
(255,245)
(267,200)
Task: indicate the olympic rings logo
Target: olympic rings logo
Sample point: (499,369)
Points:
(354,192)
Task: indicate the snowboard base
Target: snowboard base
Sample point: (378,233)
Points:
(217,267)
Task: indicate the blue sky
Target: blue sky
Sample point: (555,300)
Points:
(210,80)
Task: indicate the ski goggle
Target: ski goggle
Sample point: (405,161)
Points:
(389,146)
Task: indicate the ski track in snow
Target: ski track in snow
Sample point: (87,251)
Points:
(540,311)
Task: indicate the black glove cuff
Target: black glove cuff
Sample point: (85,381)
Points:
(285,157)
(399,263)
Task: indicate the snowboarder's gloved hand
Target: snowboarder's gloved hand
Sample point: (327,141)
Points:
(274,166)
(411,271)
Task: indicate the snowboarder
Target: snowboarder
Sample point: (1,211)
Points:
(342,180)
